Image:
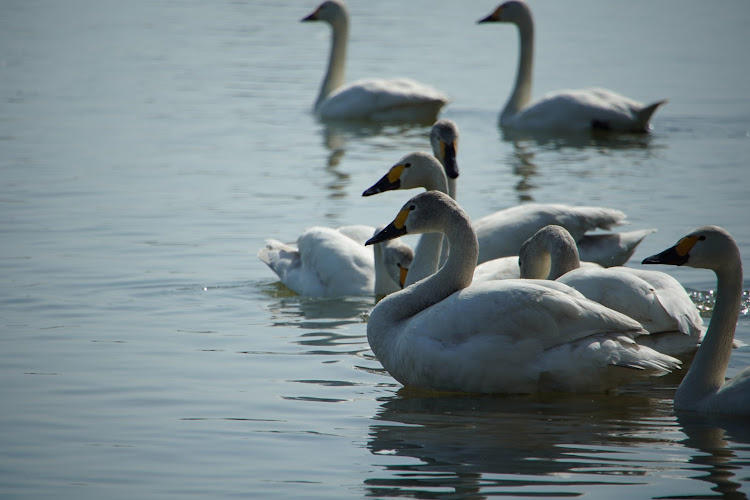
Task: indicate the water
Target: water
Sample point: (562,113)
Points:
(148,149)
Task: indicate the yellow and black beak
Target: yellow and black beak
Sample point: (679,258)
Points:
(449,159)
(312,17)
(492,18)
(389,182)
(402,273)
(393,230)
(677,255)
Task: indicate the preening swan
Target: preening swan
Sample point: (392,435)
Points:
(506,336)
(655,299)
(704,388)
(373,99)
(330,262)
(502,233)
(565,110)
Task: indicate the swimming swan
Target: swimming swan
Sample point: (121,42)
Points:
(565,110)
(655,299)
(372,99)
(502,233)
(606,249)
(329,262)
(704,388)
(507,336)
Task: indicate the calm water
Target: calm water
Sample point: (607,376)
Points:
(148,149)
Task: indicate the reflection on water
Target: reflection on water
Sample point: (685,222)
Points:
(439,445)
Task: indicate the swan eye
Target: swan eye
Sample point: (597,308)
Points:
(407,165)
(702,237)
(412,207)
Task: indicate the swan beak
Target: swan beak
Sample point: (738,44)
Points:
(449,159)
(402,272)
(492,18)
(390,232)
(671,256)
(389,182)
(311,17)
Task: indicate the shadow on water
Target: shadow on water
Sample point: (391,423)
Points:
(541,445)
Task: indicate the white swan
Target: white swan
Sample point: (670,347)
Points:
(566,110)
(330,262)
(506,336)
(655,299)
(501,234)
(372,99)
(704,388)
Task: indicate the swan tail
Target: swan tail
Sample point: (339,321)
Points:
(643,116)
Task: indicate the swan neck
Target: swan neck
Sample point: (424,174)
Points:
(455,275)
(426,258)
(708,370)
(521,95)
(334,77)
(564,259)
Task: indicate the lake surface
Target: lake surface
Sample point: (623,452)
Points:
(149,148)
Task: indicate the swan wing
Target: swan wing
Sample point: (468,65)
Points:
(611,249)
(384,100)
(582,110)
(502,233)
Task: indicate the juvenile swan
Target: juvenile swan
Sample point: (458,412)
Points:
(655,299)
(507,336)
(565,110)
(704,388)
(371,99)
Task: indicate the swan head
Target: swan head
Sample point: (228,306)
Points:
(444,141)
(427,212)
(514,11)
(330,11)
(414,170)
(397,258)
(708,247)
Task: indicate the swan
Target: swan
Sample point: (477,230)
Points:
(372,99)
(329,262)
(607,249)
(502,233)
(566,110)
(505,336)
(704,388)
(655,299)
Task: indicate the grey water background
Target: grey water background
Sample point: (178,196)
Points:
(147,149)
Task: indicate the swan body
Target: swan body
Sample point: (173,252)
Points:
(511,336)
(704,388)
(577,110)
(327,262)
(654,299)
(367,100)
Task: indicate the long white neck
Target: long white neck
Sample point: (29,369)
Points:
(431,246)
(709,367)
(334,77)
(521,95)
(455,275)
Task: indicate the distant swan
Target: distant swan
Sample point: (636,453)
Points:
(506,336)
(565,110)
(704,388)
(372,99)
(329,262)
(502,233)
(654,299)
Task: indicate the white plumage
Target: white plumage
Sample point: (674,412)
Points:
(329,262)
(507,336)
(565,110)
